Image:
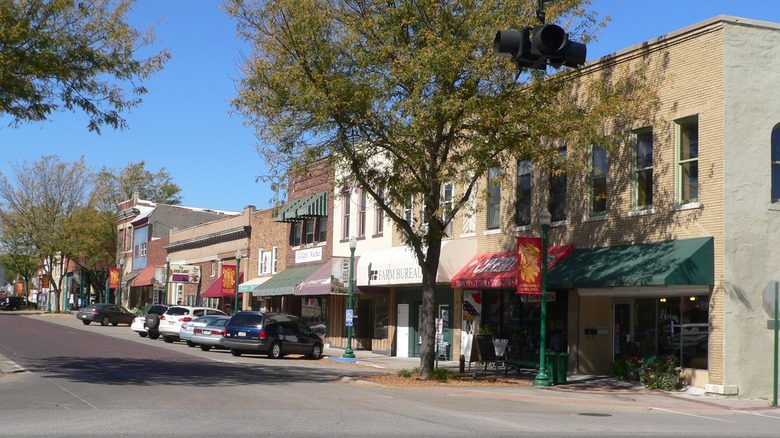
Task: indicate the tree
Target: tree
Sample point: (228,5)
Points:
(18,253)
(62,54)
(406,95)
(113,186)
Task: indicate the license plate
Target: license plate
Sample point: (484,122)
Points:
(241,334)
(83,316)
(171,323)
(206,332)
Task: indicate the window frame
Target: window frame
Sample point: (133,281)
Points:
(558,186)
(523,192)
(346,199)
(637,191)
(682,166)
(493,208)
(447,203)
(363,203)
(379,214)
(597,183)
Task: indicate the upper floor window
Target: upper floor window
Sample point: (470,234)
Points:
(408,212)
(447,194)
(309,231)
(643,169)
(346,199)
(379,214)
(295,234)
(598,181)
(494,199)
(213,268)
(523,201)
(687,135)
(361,231)
(558,180)
(322,229)
(266,261)
(776,163)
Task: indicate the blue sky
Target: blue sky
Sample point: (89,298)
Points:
(184,124)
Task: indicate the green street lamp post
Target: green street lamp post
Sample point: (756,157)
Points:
(542,379)
(238,270)
(348,353)
(167,269)
(121,273)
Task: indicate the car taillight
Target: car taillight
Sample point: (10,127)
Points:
(186,319)
(197,330)
(222,332)
(162,317)
(262,334)
(95,311)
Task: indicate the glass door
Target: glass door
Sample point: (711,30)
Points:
(621,324)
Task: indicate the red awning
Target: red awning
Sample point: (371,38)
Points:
(215,290)
(498,270)
(145,278)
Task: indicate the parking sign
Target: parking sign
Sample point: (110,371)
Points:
(349,318)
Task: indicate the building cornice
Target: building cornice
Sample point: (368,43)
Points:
(209,239)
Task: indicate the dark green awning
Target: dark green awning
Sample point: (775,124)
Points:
(303,207)
(676,262)
(284,282)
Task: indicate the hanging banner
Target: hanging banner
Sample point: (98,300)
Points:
(19,287)
(113,278)
(529,265)
(228,279)
(45,282)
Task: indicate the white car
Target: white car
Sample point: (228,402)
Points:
(175,316)
(140,324)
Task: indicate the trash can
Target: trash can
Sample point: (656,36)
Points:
(551,366)
(561,366)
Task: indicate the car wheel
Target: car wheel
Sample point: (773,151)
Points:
(143,334)
(105,321)
(316,351)
(85,322)
(235,352)
(154,335)
(205,347)
(168,339)
(191,344)
(275,352)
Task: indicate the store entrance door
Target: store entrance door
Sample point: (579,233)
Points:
(621,326)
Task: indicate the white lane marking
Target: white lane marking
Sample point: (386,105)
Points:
(691,415)
(74,395)
(774,417)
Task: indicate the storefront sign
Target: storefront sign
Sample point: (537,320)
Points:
(529,265)
(185,274)
(531,298)
(308,255)
(395,275)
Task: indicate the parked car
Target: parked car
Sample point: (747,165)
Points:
(146,323)
(16,303)
(274,334)
(175,316)
(188,328)
(212,335)
(105,314)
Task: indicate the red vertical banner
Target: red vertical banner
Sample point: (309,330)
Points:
(228,280)
(19,287)
(45,282)
(113,278)
(529,265)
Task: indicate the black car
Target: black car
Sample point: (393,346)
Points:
(16,303)
(105,314)
(274,334)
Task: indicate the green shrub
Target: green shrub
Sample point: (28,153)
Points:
(658,373)
(441,374)
(407,372)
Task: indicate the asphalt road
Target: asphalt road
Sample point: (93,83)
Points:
(107,381)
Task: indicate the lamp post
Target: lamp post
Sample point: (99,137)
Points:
(167,268)
(542,379)
(121,273)
(238,270)
(348,353)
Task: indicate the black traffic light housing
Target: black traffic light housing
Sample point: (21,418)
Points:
(534,47)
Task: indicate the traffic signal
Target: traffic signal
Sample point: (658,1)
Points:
(534,47)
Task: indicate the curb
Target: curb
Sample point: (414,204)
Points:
(8,366)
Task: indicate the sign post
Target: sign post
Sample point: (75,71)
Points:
(771,308)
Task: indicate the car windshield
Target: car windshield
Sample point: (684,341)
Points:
(178,311)
(247,319)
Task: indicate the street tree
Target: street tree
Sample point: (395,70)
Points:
(36,204)
(17,254)
(406,96)
(113,186)
(72,55)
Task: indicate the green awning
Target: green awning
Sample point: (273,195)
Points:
(284,282)
(676,262)
(304,207)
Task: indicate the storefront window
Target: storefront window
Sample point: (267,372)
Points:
(382,311)
(314,310)
(680,328)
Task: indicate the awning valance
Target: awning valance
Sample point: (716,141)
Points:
(144,278)
(675,262)
(398,265)
(284,282)
(249,286)
(498,270)
(216,290)
(301,208)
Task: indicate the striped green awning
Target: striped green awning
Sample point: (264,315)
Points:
(676,262)
(301,208)
(284,282)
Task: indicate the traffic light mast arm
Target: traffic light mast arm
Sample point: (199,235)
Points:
(540,15)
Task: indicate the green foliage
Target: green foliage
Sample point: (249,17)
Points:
(62,54)
(113,186)
(628,364)
(661,373)
(408,372)
(441,374)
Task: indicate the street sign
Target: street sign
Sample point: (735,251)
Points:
(768,301)
(349,318)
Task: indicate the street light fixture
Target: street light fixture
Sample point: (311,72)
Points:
(542,379)
(238,270)
(348,353)
(167,269)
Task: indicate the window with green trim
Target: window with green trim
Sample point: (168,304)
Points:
(687,133)
(598,181)
(494,199)
(643,169)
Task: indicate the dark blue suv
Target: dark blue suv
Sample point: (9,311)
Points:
(274,334)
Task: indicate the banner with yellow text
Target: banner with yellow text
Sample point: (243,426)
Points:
(529,265)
